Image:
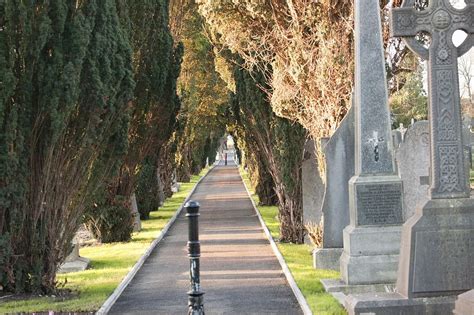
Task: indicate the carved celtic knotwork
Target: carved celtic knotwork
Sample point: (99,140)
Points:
(443,54)
(440,20)
(423,20)
(461,19)
(445,100)
(449,176)
(446,130)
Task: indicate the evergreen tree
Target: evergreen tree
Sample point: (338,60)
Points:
(156,66)
(67,73)
(204,98)
(409,99)
(276,145)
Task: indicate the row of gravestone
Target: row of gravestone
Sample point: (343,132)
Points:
(376,181)
(74,262)
(331,195)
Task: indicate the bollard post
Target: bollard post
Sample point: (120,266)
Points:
(195,299)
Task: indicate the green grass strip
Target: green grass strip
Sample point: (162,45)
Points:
(110,263)
(300,262)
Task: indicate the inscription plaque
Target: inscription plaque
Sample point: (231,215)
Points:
(379,204)
(450,268)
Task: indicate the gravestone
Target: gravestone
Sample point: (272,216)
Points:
(161,186)
(413,161)
(175,185)
(74,262)
(222,147)
(339,157)
(371,240)
(137,224)
(396,138)
(465,304)
(312,184)
(402,130)
(437,246)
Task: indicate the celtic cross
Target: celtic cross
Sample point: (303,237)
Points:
(448,175)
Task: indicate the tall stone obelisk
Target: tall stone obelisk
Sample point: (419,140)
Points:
(372,239)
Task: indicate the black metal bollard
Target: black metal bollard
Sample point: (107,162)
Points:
(195,299)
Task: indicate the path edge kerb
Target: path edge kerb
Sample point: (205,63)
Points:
(105,308)
(289,277)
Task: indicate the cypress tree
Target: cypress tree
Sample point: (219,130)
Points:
(204,98)
(156,66)
(67,69)
(275,147)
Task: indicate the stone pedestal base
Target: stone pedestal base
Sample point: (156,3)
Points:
(397,304)
(340,290)
(327,258)
(465,304)
(79,264)
(437,249)
(370,255)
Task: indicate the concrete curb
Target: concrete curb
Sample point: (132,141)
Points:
(105,308)
(289,277)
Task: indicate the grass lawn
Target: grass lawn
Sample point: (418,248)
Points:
(300,263)
(110,263)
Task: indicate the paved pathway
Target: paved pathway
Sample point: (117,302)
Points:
(239,271)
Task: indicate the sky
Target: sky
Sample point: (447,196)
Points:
(458,38)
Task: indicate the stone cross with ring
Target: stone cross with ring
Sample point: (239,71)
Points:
(448,174)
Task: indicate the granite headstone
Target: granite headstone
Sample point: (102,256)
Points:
(313,186)
(339,157)
(413,161)
(396,138)
(137,224)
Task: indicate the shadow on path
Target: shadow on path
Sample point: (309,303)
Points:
(239,271)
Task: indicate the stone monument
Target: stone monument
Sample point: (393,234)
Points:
(312,184)
(372,239)
(74,262)
(339,157)
(403,130)
(137,224)
(437,246)
(175,185)
(396,138)
(413,161)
